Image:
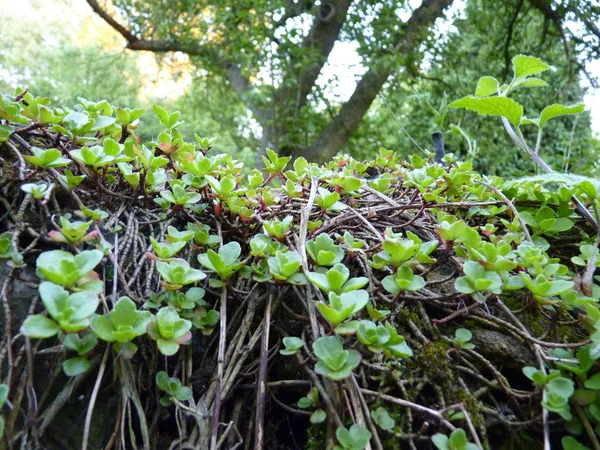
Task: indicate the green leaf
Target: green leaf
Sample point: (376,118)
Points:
(441,441)
(318,416)
(458,439)
(486,86)
(593,382)
(492,106)
(556,110)
(382,418)
(533,82)
(39,326)
(525,66)
(76,366)
(167,348)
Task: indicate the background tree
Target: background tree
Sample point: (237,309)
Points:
(273,52)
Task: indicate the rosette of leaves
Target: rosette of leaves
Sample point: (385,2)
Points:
(174,235)
(46,159)
(493,257)
(202,235)
(223,187)
(334,361)
(275,164)
(178,300)
(396,347)
(123,324)
(225,263)
(398,250)
(202,319)
(72,232)
(278,228)
(343,306)
(36,190)
(82,345)
(337,279)
(173,389)
(284,267)
(546,221)
(324,251)
(70,313)
(263,246)
(169,330)
(403,280)
(374,336)
(478,280)
(355,438)
(110,152)
(312,400)
(179,196)
(166,250)
(457,441)
(63,268)
(329,201)
(543,288)
(177,272)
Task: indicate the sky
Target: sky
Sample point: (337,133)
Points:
(78,20)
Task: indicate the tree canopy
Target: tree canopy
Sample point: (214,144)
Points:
(273,54)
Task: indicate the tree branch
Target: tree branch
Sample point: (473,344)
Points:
(325,30)
(339,130)
(238,82)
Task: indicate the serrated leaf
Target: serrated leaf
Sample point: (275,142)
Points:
(492,106)
(524,66)
(556,110)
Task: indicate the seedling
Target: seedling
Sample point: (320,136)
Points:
(336,280)
(292,345)
(323,251)
(173,388)
(355,438)
(71,312)
(169,330)
(334,362)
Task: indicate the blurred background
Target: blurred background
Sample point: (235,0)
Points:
(298,97)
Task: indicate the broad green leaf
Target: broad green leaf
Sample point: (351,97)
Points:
(39,326)
(492,106)
(556,110)
(524,66)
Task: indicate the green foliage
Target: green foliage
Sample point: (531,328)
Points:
(173,389)
(355,438)
(333,361)
(292,345)
(323,251)
(225,263)
(169,330)
(457,441)
(122,324)
(336,280)
(71,313)
(63,268)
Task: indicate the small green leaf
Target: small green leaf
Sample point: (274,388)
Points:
(76,366)
(525,66)
(486,86)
